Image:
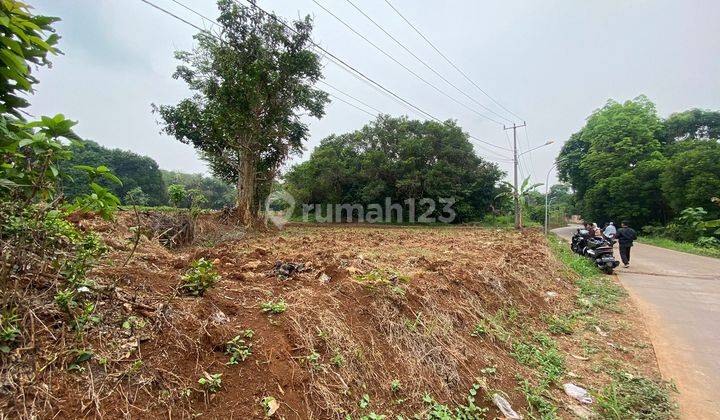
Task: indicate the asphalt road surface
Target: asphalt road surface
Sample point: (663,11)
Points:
(679,295)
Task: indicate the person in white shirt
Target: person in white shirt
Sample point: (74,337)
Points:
(610,231)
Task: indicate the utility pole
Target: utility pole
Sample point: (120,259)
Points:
(516,195)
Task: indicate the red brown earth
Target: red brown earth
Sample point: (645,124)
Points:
(375,304)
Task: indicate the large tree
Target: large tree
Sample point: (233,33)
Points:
(614,162)
(400,159)
(252,82)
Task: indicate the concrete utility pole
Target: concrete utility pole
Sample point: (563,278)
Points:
(516,193)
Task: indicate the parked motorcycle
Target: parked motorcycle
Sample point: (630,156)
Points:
(597,249)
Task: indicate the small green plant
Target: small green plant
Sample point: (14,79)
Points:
(479,330)
(85,316)
(338,360)
(560,324)
(200,277)
(274,307)
(134,323)
(490,370)
(395,386)
(211,382)
(438,411)
(81,356)
(471,410)
(238,349)
(9,329)
(543,356)
(65,299)
(364,401)
(631,396)
(313,360)
(135,367)
(539,400)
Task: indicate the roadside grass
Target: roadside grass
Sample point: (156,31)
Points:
(628,395)
(597,290)
(687,247)
(632,396)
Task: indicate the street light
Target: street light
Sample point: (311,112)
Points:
(516,155)
(547,143)
(547,180)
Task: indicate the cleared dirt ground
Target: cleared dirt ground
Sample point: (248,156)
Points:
(436,308)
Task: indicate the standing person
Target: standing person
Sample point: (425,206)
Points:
(610,231)
(625,236)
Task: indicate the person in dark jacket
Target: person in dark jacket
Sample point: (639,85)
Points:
(625,237)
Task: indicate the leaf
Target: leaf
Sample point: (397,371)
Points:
(6,183)
(85,168)
(112,178)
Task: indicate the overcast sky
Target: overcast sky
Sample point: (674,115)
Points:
(551,62)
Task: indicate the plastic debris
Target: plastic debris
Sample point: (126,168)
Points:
(578,393)
(504,406)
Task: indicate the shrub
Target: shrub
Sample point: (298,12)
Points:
(177,194)
(200,277)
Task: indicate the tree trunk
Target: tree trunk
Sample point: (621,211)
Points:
(247,179)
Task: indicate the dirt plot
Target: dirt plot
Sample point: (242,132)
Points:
(345,320)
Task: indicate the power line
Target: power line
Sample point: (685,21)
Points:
(350,96)
(361,74)
(191,10)
(450,61)
(424,63)
(351,104)
(334,59)
(409,70)
(176,16)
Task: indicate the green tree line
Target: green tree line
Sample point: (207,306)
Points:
(140,177)
(629,163)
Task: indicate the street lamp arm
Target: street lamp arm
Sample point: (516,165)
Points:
(549,142)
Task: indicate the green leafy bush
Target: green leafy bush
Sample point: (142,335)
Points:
(200,277)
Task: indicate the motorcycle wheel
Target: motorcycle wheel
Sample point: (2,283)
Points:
(607,268)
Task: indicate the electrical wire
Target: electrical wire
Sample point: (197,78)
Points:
(350,96)
(351,104)
(424,63)
(343,64)
(361,74)
(408,69)
(450,61)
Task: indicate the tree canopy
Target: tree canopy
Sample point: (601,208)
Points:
(217,192)
(628,163)
(132,169)
(250,85)
(397,158)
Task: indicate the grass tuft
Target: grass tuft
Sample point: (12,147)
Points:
(631,396)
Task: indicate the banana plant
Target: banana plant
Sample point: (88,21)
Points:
(523,190)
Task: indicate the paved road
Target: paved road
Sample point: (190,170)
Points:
(679,294)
